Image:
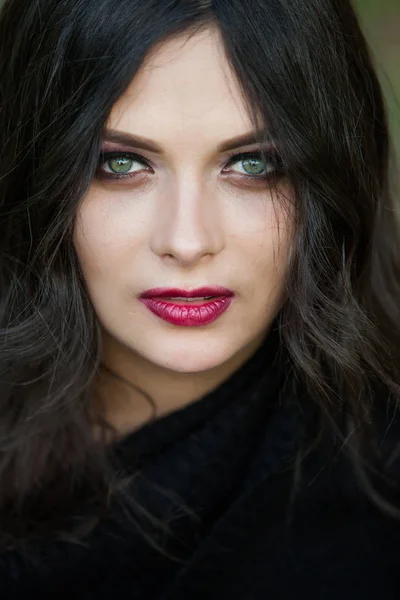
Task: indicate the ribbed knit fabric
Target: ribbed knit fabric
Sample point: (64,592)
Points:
(207,455)
(261,532)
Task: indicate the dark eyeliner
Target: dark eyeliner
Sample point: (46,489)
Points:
(105,156)
(272,157)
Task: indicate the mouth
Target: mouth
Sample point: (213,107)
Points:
(188,311)
(179,296)
(188,308)
(188,300)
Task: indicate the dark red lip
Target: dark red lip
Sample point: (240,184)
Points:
(197,293)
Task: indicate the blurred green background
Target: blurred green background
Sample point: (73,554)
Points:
(381,23)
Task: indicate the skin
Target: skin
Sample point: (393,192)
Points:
(184,221)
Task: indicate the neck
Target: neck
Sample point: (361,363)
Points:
(129,390)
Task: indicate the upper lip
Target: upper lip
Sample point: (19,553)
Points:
(195,293)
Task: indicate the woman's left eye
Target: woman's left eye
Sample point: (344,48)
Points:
(121,165)
(253,164)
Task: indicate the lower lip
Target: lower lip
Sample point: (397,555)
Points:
(188,314)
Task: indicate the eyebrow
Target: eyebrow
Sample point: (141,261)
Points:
(136,141)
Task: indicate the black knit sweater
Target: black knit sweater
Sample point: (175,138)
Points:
(229,458)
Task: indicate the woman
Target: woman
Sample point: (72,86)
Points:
(233,433)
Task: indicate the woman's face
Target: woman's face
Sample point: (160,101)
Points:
(179,217)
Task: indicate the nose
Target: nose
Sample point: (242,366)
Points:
(187,225)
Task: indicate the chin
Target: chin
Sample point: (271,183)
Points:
(200,361)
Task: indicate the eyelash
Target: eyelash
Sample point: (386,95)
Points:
(271,157)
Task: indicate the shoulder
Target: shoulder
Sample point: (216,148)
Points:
(312,531)
(359,458)
(327,523)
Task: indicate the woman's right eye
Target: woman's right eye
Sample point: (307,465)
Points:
(119,165)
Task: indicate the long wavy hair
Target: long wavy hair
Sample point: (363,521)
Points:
(308,80)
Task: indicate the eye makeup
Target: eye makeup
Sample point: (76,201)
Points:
(119,160)
(270,158)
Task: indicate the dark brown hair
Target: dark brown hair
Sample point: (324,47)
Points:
(308,80)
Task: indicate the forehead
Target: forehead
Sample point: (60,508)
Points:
(184,85)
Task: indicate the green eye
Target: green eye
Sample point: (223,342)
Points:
(120,164)
(253,166)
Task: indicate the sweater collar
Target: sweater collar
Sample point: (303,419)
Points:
(209,455)
(266,364)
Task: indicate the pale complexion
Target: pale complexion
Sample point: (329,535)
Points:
(183,220)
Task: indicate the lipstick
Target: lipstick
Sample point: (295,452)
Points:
(188,308)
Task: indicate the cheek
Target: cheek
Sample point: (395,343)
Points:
(267,267)
(102,240)
(90,247)
(266,248)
